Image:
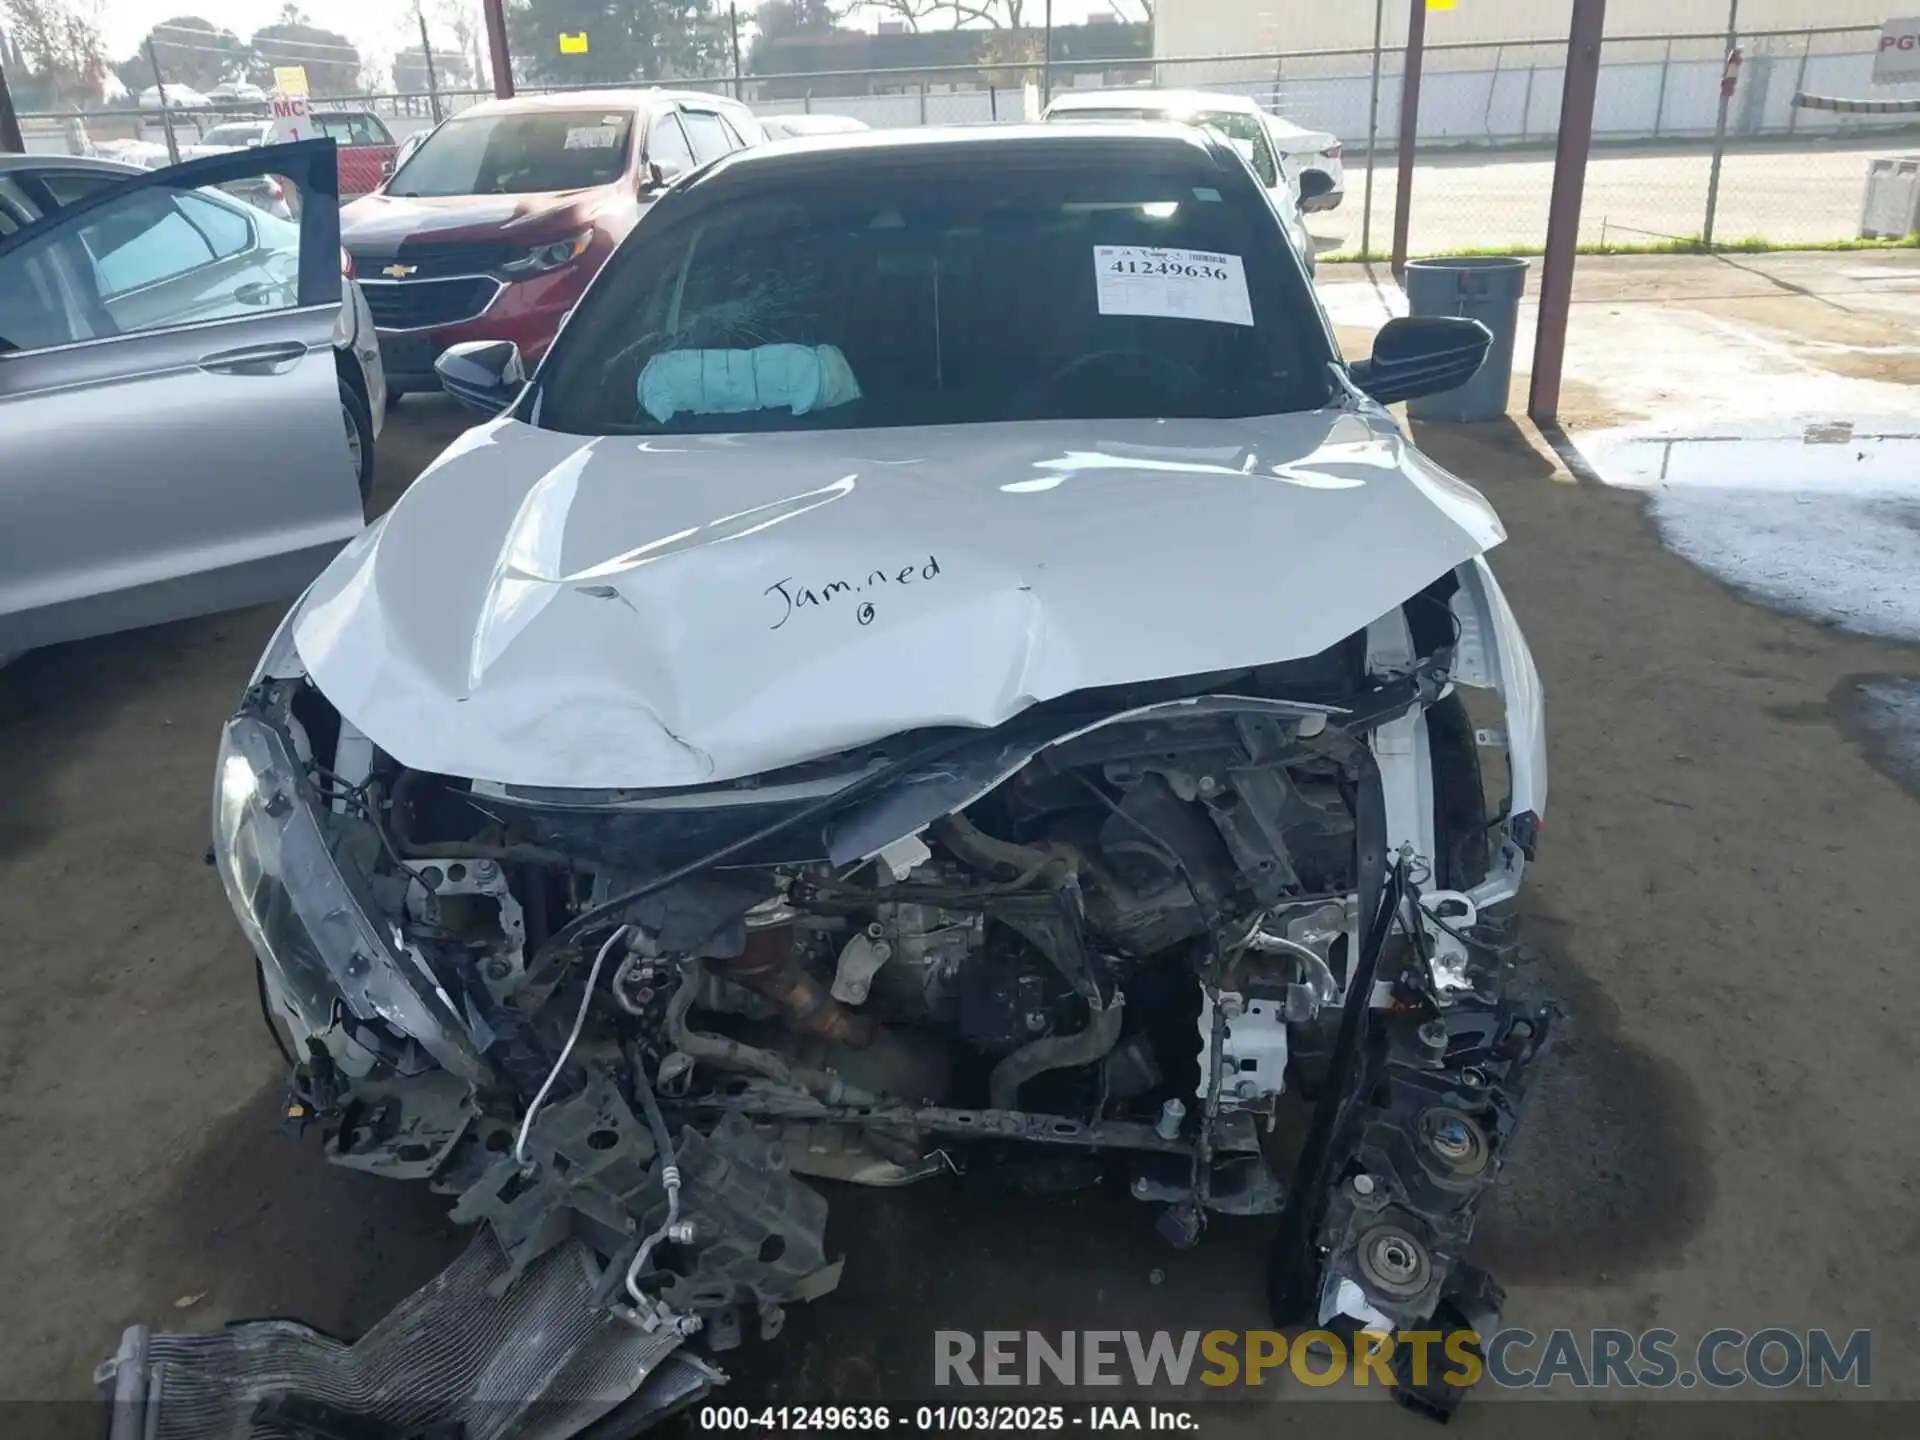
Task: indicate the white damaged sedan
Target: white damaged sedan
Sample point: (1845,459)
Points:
(943,666)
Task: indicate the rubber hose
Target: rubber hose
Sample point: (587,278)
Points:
(728,1054)
(1055,1052)
(717,1049)
(650,1106)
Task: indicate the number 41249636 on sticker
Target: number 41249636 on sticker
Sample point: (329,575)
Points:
(1181,284)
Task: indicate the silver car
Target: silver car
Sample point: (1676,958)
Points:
(148,320)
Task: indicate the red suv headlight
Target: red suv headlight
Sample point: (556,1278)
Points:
(552,256)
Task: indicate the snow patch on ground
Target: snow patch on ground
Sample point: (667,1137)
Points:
(1798,486)
(1844,559)
(1810,514)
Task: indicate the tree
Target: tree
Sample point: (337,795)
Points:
(910,12)
(458,17)
(1016,59)
(998,14)
(452,70)
(453,65)
(645,40)
(61,59)
(778,19)
(332,62)
(191,51)
(775,18)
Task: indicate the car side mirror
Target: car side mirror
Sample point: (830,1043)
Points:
(1420,355)
(662,173)
(483,375)
(1314,184)
(386,169)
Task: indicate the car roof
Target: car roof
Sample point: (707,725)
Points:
(1169,100)
(635,98)
(858,148)
(15,163)
(816,121)
(1280,125)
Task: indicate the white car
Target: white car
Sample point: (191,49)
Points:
(1242,122)
(237,92)
(179,97)
(793,127)
(237,135)
(1302,150)
(943,667)
(263,192)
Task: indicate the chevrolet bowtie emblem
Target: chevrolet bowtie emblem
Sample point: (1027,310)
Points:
(399,272)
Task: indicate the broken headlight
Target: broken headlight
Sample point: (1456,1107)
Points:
(320,946)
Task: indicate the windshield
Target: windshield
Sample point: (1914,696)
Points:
(1245,132)
(943,294)
(518,154)
(245,133)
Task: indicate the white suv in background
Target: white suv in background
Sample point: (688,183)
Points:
(1235,118)
(1302,150)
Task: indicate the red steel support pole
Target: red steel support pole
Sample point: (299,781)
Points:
(495,13)
(1563,211)
(1409,129)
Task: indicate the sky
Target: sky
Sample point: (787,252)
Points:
(378,29)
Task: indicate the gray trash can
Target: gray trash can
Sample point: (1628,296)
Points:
(1484,288)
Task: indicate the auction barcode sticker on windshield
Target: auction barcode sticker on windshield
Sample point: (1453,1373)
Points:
(1184,284)
(591,137)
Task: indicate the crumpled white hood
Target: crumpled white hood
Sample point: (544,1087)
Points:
(550,610)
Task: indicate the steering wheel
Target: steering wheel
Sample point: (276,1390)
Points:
(1126,369)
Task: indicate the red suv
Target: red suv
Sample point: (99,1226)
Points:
(491,229)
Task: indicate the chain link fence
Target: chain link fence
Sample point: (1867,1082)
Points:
(1489,118)
(1488,121)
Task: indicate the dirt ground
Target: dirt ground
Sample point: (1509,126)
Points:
(1721,901)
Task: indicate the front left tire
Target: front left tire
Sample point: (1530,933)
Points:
(359,427)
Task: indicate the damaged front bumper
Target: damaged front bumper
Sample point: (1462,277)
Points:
(627,1237)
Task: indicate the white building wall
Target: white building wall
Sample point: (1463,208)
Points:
(1499,91)
(1186,28)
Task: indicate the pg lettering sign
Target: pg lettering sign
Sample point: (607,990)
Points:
(1898,57)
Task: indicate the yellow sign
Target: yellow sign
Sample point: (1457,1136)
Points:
(1439,4)
(575,44)
(290,79)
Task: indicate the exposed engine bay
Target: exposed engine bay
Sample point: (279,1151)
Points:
(1228,941)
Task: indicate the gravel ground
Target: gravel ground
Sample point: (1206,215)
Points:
(1721,901)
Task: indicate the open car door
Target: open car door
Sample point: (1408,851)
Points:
(171,440)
